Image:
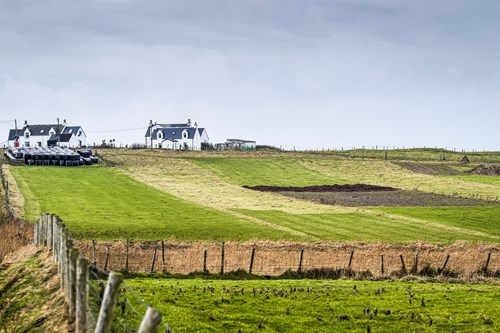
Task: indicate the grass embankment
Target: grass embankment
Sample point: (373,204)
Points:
(321,306)
(30,299)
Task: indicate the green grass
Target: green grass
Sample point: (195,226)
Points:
(101,203)
(417,154)
(483,219)
(317,306)
(491,180)
(374,228)
(265,171)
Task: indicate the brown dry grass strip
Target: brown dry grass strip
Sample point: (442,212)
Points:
(274,258)
(16,199)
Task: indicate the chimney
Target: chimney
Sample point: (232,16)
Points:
(25,123)
(195,124)
(189,123)
(64,123)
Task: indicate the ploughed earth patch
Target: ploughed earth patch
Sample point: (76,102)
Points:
(359,195)
(323,188)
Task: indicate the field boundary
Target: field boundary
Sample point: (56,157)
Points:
(459,260)
(76,277)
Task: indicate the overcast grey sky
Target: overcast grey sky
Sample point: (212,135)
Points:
(303,73)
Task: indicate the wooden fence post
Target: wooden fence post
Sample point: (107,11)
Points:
(252,257)
(205,261)
(67,274)
(150,322)
(49,231)
(163,266)
(74,253)
(62,261)
(35,233)
(300,260)
(154,258)
(82,279)
(222,259)
(94,259)
(403,267)
(382,264)
(126,255)
(108,304)
(107,258)
(487,263)
(414,269)
(440,271)
(350,259)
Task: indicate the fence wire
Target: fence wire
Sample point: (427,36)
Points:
(130,307)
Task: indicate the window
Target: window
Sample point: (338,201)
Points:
(160,135)
(26,135)
(185,134)
(27,144)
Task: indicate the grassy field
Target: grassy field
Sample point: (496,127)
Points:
(165,195)
(105,204)
(320,306)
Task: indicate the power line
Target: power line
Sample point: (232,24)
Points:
(120,130)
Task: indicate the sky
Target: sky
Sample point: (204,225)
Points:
(309,74)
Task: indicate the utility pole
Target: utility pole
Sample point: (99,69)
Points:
(58,134)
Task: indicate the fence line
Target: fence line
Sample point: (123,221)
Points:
(76,283)
(275,258)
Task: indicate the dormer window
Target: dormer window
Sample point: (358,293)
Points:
(160,135)
(185,134)
(79,133)
(26,135)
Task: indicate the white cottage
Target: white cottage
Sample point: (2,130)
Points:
(47,135)
(186,136)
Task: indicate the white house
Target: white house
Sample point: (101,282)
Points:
(47,135)
(176,136)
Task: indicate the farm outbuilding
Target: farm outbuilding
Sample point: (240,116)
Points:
(237,144)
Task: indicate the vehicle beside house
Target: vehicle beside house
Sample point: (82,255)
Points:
(183,136)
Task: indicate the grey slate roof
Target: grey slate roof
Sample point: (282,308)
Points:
(62,138)
(174,133)
(166,126)
(72,129)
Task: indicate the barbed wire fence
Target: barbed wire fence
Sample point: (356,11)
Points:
(92,294)
(275,258)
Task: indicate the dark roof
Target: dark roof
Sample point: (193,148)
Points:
(62,137)
(72,129)
(39,130)
(166,126)
(174,133)
(12,134)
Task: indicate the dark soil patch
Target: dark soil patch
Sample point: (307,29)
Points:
(395,198)
(430,168)
(323,188)
(487,170)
